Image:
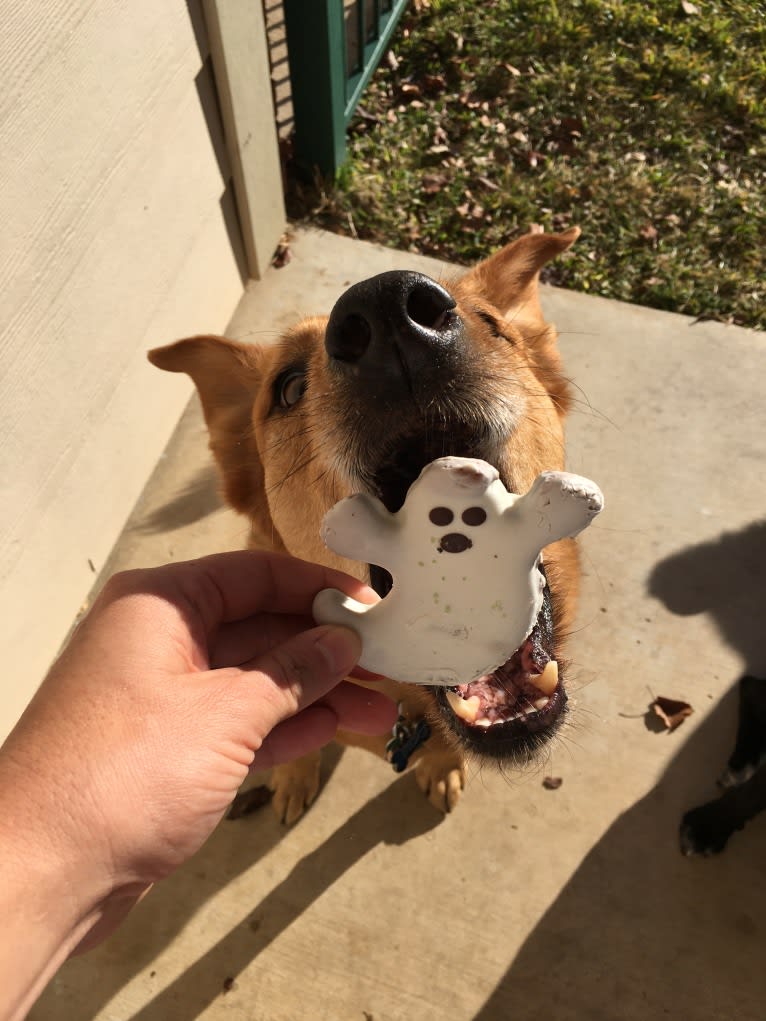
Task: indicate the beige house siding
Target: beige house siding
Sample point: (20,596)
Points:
(119,232)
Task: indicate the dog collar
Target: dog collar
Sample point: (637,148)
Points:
(406,738)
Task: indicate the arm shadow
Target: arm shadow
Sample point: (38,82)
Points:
(395,816)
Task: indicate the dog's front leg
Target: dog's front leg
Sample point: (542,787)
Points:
(295,785)
(440,767)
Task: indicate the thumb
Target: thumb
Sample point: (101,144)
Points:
(296,673)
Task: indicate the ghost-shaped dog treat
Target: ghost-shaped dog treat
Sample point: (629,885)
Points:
(463,553)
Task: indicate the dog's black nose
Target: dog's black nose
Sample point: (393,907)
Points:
(393,328)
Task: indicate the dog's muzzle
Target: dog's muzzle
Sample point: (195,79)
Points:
(395,335)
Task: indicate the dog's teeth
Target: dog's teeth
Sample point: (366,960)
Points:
(483,722)
(548,679)
(466,708)
(541,703)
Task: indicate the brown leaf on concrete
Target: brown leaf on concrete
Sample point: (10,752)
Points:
(282,255)
(671,711)
(552,783)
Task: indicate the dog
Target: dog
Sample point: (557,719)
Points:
(405,370)
(706,829)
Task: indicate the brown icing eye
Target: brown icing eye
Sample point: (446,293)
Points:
(474,516)
(441,516)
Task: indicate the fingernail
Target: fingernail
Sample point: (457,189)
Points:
(340,646)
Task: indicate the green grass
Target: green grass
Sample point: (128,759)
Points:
(642,122)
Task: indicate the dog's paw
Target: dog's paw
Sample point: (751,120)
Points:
(732,777)
(441,777)
(295,785)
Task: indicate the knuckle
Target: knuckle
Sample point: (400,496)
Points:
(126,583)
(288,672)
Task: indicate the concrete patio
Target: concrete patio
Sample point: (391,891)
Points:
(526,903)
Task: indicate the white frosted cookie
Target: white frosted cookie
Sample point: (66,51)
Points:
(463,553)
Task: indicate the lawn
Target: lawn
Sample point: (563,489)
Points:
(644,123)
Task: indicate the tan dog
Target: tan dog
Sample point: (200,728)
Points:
(404,371)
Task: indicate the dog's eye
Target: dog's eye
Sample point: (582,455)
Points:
(290,387)
(492,323)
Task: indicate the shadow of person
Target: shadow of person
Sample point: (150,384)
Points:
(726,578)
(640,932)
(395,816)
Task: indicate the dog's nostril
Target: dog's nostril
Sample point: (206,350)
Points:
(388,328)
(428,307)
(350,339)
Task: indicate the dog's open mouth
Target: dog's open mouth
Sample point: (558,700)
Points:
(508,713)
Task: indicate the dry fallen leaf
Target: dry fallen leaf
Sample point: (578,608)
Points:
(435,82)
(433,183)
(552,783)
(649,233)
(392,60)
(671,711)
(282,255)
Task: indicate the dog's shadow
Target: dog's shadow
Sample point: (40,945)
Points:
(395,816)
(199,498)
(640,931)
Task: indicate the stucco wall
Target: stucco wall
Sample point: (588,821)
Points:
(119,233)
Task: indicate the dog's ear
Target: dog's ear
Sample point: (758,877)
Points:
(227,376)
(509,278)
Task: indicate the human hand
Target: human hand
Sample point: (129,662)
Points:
(178,682)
